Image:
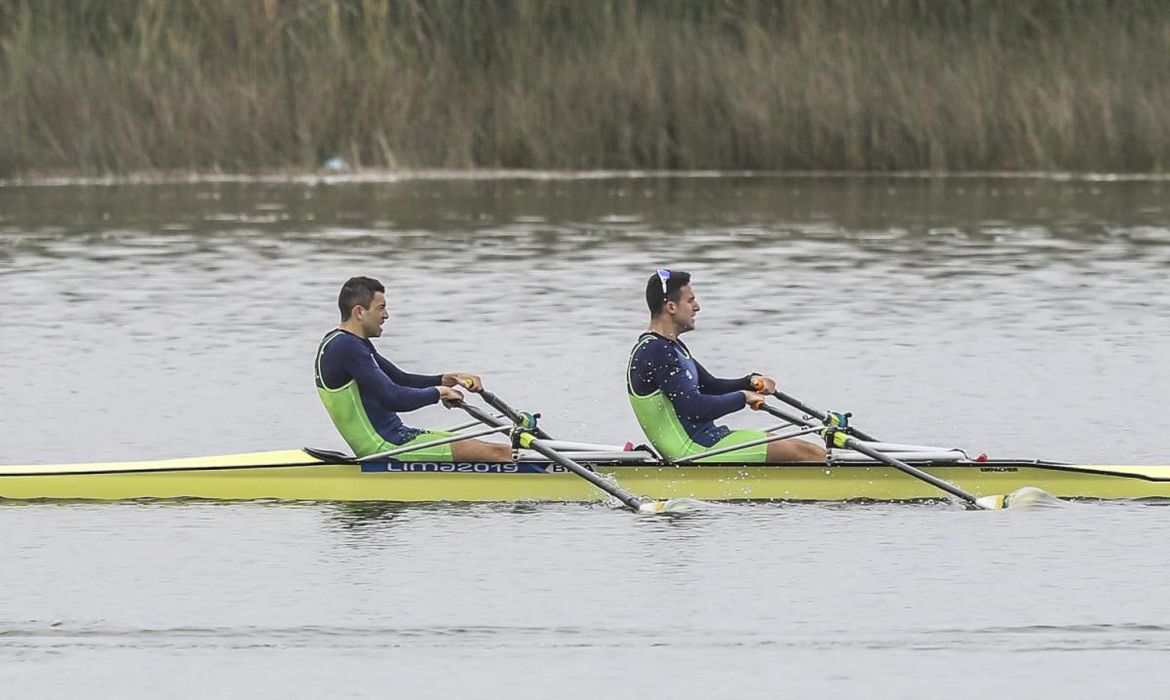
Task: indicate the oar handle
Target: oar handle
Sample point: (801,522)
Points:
(843,440)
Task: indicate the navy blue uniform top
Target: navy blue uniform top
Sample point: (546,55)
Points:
(697,396)
(384,388)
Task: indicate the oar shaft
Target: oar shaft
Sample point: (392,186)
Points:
(857,446)
(512,414)
(852,443)
(822,416)
(630,500)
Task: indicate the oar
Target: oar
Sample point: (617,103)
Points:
(843,440)
(822,416)
(524,420)
(634,503)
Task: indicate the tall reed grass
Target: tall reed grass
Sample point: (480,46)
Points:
(241,85)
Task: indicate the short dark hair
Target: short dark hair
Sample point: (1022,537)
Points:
(357,291)
(655,299)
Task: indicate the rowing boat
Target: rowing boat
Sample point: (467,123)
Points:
(320,475)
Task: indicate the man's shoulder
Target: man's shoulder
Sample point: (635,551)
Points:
(648,340)
(654,345)
(339,341)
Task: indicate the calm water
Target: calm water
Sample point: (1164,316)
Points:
(1020,317)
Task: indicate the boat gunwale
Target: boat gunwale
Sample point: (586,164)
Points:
(1120,471)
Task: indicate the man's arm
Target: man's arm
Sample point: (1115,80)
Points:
(463,380)
(710,384)
(683,391)
(406,379)
(374,381)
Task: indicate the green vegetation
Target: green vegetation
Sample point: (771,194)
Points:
(243,85)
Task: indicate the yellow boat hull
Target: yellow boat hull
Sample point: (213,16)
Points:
(297,475)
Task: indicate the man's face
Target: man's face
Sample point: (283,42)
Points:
(683,311)
(372,318)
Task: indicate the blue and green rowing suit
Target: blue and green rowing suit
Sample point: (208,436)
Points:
(677,402)
(363,393)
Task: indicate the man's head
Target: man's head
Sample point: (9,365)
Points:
(670,298)
(362,303)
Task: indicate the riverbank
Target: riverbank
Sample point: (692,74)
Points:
(95,87)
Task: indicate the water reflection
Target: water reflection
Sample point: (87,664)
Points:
(368,522)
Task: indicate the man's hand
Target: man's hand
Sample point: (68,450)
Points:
(763,385)
(448,395)
(753,399)
(464,380)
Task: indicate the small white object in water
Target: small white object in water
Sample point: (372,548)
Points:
(336,164)
(1026,497)
(670,505)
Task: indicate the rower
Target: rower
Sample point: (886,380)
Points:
(677,401)
(364,392)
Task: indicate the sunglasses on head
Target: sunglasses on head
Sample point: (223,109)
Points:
(663,276)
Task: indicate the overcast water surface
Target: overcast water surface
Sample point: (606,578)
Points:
(1020,317)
